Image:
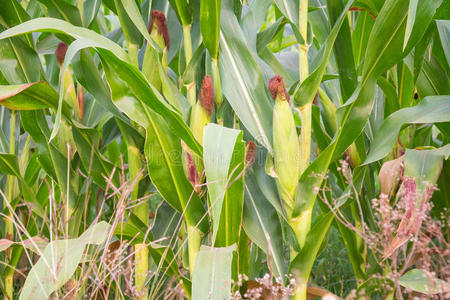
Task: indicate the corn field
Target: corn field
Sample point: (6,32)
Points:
(224,149)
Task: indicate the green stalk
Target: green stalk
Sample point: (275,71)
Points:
(194,239)
(141,269)
(301,292)
(193,234)
(305,111)
(142,212)
(188,55)
(133,50)
(218,91)
(9,228)
(329,108)
(305,137)
(302,223)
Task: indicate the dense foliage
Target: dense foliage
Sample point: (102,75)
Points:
(208,149)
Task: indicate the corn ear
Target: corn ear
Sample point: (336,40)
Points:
(160,35)
(200,117)
(70,95)
(286,145)
(202,110)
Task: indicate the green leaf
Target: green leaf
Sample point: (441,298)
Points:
(425,165)
(422,282)
(262,224)
(410,22)
(431,109)
(444,33)
(63,10)
(134,14)
(9,164)
(242,82)
(389,27)
(52,160)
(420,14)
(212,273)
(290,9)
(223,157)
(19,62)
(90,8)
(360,35)
(86,72)
(184,12)
(210,25)
(30,96)
(343,51)
(13,13)
(130,31)
(59,26)
(59,262)
(116,69)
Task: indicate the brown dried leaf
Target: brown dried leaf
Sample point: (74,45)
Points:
(390,175)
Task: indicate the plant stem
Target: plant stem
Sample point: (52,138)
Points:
(187,43)
(193,234)
(142,212)
(188,55)
(301,224)
(301,291)
(133,50)
(305,137)
(141,257)
(329,108)
(194,238)
(305,111)
(9,229)
(217,91)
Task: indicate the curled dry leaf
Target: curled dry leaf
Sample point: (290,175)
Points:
(390,175)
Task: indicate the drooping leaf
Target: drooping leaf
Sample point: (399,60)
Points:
(425,165)
(212,273)
(423,282)
(429,110)
(262,224)
(223,156)
(63,27)
(59,261)
(30,96)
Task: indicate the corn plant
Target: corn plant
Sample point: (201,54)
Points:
(210,149)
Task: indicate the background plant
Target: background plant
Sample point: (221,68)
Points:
(172,149)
